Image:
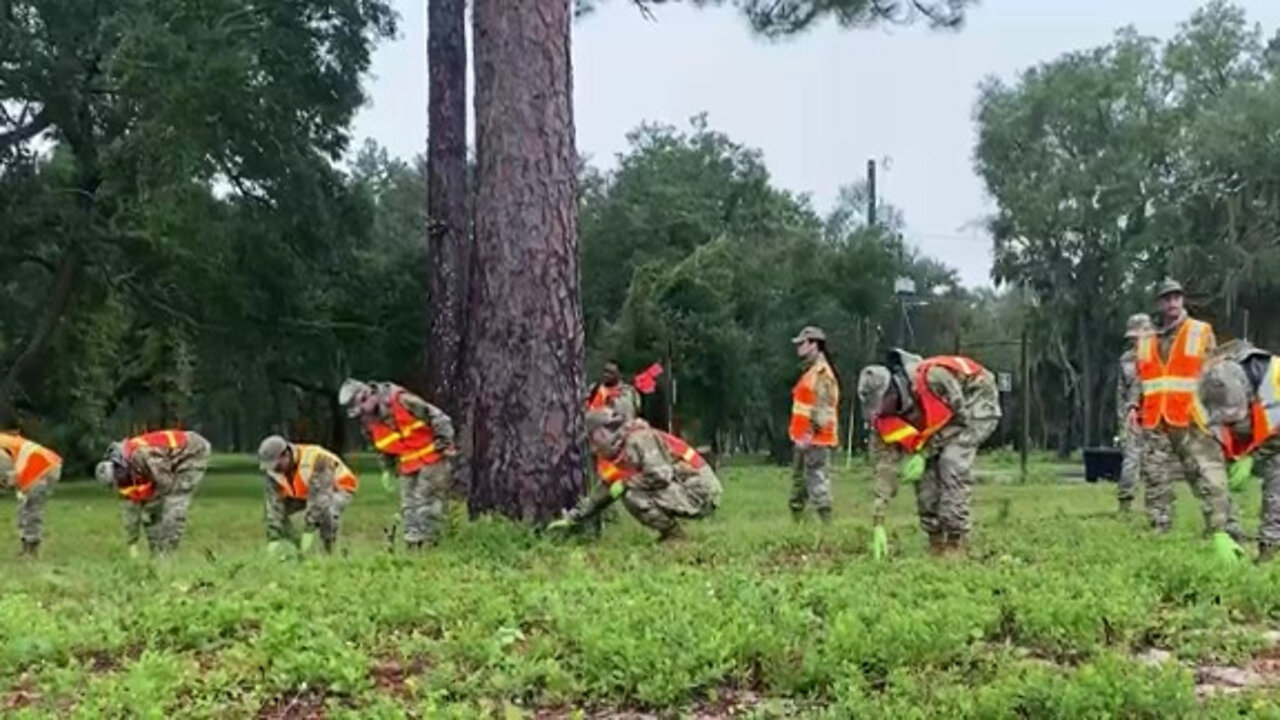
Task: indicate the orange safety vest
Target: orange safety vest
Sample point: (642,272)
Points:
(1169,388)
(1264,416)
(936,413)
(680,450)
(138,488)
(603,396)
(297,485)
(411,440)
(30,460)
(803,397)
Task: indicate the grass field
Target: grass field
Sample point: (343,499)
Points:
(1062,611)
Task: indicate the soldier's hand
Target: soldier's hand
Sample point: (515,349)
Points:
(564,523)
(1226,548)
(308,541)
(617,490)
(1239,473)
(879,543)
(387,485)
(913,468)
(134,551)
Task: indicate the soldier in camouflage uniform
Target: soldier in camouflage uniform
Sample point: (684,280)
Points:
(928,419)
(621,397)
(31,470)
(1128,396)
(416,441)
(661,477)
(307,479)
(157,474)
(1240,392)
(814,426)
(1183,448)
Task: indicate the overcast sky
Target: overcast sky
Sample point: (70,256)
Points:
(818,106)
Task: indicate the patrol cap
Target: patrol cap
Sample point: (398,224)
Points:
(272,447)
(602,417)
(1224,391)
(352,390)
(104,472)
(873,382)
(809,332)
(1168,286)
(1139,324)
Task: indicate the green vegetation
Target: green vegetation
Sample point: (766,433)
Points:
(1049,618)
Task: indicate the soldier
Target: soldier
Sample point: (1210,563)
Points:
(303,477)
(660,478)
(1128,395)
(612,392)
(1169,365)
(814,426)
(1240,392)
(415,438)
(157,475)
(31,470)
(929,416)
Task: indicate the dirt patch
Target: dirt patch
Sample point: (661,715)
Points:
(302,706)
(100,661)
(391,676)
(729,703)
(23,693)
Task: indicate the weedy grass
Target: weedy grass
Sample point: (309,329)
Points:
(754,616)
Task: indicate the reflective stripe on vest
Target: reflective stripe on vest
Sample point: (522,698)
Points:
(894,430)
(1264,416)
(804,396)
(603,396)
(411,441)
(299,484)
(31,461)
(611,471)
(1169,388)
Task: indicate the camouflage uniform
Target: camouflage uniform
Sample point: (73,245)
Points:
(1228,388)
(1169,450)
(322,508)
(626,404)
(1128,392)
(176,473)
(424,495)
(943,492)
(663,487)
(30,503)
(810,483)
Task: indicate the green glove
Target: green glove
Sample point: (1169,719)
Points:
(562,524)
(1226,548)
(879,543)
(276,548)
(386,482)
(913,468)
(1239,473)
(134,551)
(617,489)
(308,540)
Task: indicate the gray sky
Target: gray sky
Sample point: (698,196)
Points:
(818,106)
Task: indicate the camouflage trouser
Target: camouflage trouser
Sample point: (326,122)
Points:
(164,516)
(323,514)
(942,496)
(809,482)
(424,497)
(1169,452)
(696,497)
(1130,468)
(31,506)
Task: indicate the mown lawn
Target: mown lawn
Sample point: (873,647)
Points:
(1062,611)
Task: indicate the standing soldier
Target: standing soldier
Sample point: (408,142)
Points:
(659,477)
(303,478)
(613,393)
(1128,397)
(813,430)
(1240,392)
(415,438)
(1169,366)
(928,418)
(31,470)
(157,475)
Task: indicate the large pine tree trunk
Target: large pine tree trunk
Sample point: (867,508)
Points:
(449,229)
(525,351)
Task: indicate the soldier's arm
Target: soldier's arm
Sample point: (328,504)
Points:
(887,462)
(320,490)
(656,470)
(152,464)
(441,424)
(824,408)
(947,387)
(627,403)
(1122,393)
(274,516)
(7,470)
(592,504)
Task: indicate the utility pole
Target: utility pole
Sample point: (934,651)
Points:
(1026,400)
(871,193)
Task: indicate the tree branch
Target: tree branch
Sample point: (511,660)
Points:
(316,388)
(22,134)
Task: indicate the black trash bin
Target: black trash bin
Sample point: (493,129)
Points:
(1102,462)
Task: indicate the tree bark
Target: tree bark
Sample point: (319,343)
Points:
(525,344)
(55,307)
(448,229)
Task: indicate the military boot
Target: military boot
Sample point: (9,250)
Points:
(797,516)
(671,534)
(1126,507)
(824,514)
(957,545)
(413,546)
(937,544)
(30,548)
(1266,553)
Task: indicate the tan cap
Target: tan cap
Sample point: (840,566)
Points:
(602,417)
(873,381)
(1139,324)
(1168,286)
(810,332)
(272,447)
